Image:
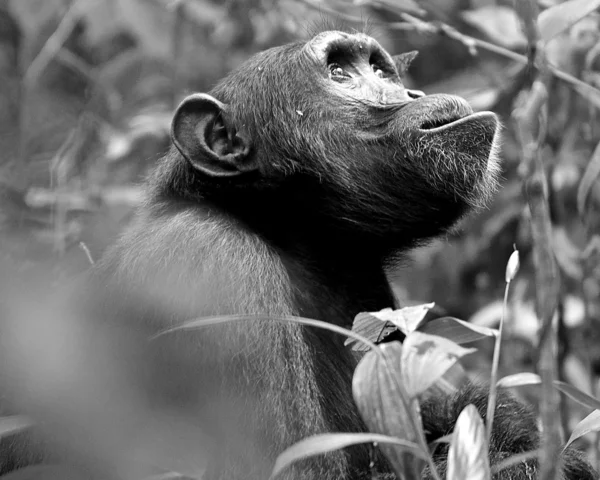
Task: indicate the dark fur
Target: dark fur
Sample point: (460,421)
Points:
(515,431)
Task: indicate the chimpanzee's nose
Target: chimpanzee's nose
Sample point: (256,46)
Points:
(414,94)
(398,95)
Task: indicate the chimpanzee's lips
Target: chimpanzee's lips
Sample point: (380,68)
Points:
(455,119)
(446,115)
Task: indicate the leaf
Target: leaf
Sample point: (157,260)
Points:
(425,358)
(457,330)
(500,24)
(559,18)
(407,319)
(528,12)
(369,327)
(589,424)
(519,380)
(386,408)
(468,453)
(14,424)
(203,322)
(577,395)
(449,383)
(327,442)
(592,171)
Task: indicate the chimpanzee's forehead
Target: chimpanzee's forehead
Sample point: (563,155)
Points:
(325,42)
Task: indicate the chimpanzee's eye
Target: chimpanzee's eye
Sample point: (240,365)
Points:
(378,71)
(337,72)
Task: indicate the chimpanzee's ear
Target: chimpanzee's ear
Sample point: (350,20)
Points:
(403,61)
(202,132)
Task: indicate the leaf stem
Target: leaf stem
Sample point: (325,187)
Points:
(491,406)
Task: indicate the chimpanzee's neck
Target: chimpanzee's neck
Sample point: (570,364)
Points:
(334,275)
(335,289)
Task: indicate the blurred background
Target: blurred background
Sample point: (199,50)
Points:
(87,89)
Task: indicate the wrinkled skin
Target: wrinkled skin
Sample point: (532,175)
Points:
(290,189)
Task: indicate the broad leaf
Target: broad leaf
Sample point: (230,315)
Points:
(450,383)
(519,380)
(407,319)
(457,330)
(468,453)
(370,327)
(425,358)
(577,395)
(386,407)
(559,18)
(528,13)
(589,424)
(327,442)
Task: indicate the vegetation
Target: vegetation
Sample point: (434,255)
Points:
(88,88)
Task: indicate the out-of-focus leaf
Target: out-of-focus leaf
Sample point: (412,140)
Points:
(576,373)
(407,319)
(590,93)
(577,395)
(386,408)
(568,255)
(590,176)
(425,358)
(328,442)
(589,424)
(528,11)
(14,424)
(370,327)
(519,380)
(457,330)
(468,453)
(501,24)
(526,326)
(407,6)
(559,18)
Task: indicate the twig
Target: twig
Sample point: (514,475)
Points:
(87,252)
(49,51)
(546,274)
(53,44)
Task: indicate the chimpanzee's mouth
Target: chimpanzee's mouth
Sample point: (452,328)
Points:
(439,122)
(450,121)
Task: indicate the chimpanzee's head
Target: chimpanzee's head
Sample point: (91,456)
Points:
(325,130)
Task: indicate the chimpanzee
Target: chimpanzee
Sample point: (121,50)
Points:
(290,189)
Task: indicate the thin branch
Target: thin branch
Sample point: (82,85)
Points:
(547,283)
(54,44)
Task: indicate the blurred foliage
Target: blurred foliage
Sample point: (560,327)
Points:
(88,87)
